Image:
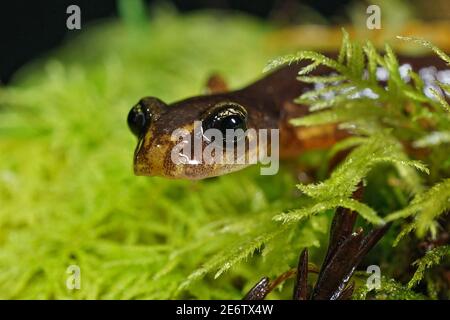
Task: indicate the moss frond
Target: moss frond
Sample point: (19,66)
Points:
(429,45)
(431,258)
(389,290)
(426,208)
(344,179)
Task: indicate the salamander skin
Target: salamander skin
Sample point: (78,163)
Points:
(266,104)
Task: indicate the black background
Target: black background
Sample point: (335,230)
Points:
(29,28)
(289,310)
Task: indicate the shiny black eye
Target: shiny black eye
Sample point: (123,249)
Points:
(226,116)
(138,119)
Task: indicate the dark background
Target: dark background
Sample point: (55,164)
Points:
(29,28)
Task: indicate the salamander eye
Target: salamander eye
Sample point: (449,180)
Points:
(138,119)
(141,115)
(226,116)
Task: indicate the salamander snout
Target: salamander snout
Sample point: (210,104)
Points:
(143,113)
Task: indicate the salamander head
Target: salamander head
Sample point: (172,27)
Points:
(183,140)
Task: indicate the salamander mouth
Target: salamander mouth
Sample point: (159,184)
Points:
(138,147)
(138,164)
(155,160)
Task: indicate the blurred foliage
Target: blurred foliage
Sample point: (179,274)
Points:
(68,194)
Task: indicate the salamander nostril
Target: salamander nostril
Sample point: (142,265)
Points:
(138,119)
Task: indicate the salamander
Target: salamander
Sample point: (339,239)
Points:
(267,103)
